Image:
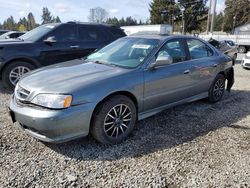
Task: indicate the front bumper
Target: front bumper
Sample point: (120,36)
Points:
(53,125)
(245,63)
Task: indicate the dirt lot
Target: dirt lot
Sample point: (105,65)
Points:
(193,145)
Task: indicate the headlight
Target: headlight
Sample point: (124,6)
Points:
(55,101)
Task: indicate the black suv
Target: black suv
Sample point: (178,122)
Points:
(50,44)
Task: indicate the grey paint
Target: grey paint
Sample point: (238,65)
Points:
(89,83)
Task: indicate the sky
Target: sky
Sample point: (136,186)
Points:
(78,10)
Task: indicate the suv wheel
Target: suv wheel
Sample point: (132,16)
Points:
(217,89)
(14,71)
(114,120)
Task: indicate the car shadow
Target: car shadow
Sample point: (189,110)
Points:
(4,90)
(172,127)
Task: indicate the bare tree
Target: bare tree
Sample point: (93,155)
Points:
(97,15)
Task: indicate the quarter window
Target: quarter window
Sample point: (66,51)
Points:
(174,49)
(198,49)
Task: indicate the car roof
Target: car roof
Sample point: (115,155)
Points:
(90,23)
(159,36)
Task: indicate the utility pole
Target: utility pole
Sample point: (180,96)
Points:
(213,16)
(183,20)
(208,16)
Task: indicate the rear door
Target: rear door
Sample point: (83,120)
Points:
(91,37)
(204,65)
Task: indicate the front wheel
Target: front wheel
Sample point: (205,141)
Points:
(114,120)
(14,71)
(217,89)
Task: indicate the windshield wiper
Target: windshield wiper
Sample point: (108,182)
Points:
(101,62)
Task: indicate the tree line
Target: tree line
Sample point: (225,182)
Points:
(192,14)
(28,23)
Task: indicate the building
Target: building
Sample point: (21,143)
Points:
(242,30)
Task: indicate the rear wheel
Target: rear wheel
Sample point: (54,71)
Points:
(114,120)
(242,49)
(234,58)
(217,89)
(14,71)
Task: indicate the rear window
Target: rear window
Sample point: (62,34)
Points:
(117,32)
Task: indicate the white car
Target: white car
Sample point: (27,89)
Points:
(246,61)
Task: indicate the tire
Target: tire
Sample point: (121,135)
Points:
(13,72)
(234,58)
(217,89)
(242,49)
(108,121)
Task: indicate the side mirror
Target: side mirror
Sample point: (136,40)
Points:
(7,37)
(50,40)
(162,60)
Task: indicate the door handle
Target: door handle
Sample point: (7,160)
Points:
(215,65)
(186,72)
(75,46)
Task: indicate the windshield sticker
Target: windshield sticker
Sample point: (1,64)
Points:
(141,46)
(50,26)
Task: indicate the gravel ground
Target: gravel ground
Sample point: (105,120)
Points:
(193,145)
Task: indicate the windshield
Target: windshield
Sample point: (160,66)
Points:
(125,52)
(4,36)
(37,33)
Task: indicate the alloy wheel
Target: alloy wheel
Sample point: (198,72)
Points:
(117,121)
(219,87)
(16,73)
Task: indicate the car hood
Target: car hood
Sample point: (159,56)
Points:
(67,77)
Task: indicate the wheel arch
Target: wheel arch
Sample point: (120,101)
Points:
(125,93)
(25,59)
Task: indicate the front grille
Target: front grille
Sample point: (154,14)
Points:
(247,64)
(21,93)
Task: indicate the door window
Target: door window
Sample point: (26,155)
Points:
(65,33)
(174,49)
(90,33)
(198,49)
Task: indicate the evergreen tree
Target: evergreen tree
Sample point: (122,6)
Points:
(10,24)
(218,24)
(46,16)
(31,21)
(195,12)
(236,13)
(23,21)
(162,11)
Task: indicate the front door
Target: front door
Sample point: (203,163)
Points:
(63,49)
(169,83)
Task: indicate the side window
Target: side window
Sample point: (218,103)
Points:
(91,33)
(65,33)
(175,49)
(198,49)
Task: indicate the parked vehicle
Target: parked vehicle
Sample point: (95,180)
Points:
(131,79)
(227,47)
(50,44)
(242,41)
(3,31)
(11,35)
(246,61)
